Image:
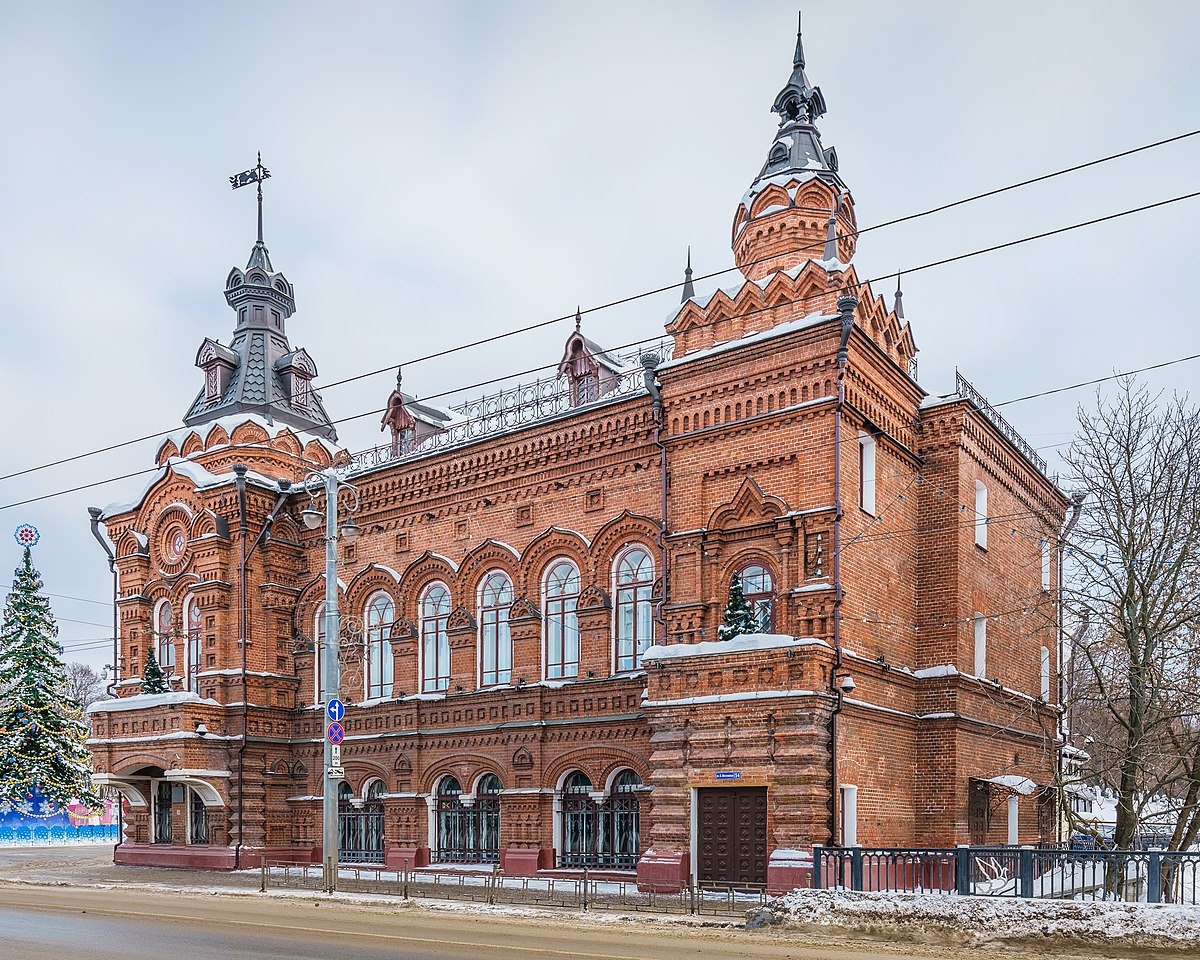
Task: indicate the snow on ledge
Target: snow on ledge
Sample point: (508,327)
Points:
(944,670)
(144,701)
(748,641)
(1022,785)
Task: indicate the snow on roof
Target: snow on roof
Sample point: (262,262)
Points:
(203,478)
(943,670)
(751,338)
(235,420)
(143,701)
(1022,785)
(748,641)
(932,401)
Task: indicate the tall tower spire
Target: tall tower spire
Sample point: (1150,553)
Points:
(688,290)
(797,186)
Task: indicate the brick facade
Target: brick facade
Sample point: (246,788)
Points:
(755,437)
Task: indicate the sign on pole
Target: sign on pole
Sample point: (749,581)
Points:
(335,733)
(336,710)
(336,773)
(335,755)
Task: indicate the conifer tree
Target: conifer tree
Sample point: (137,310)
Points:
(739,618)
(43,733)
(153,680)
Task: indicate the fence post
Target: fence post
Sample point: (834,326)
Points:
(856,869)
(962,870)
(262,883)
(585,888)
(818,874)
(1154,877)
(1025,871)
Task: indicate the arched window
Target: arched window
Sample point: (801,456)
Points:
(758,587)
(435,645)
(562,624)
(487,813)
(360,824)
(164,630)
(495,643)
(381,614)
(634,621)
(195,644)
(604,834)
(161,801)
(319,690)
(468,832)
(452,840)
(198,829)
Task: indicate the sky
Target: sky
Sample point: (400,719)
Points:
(444,172)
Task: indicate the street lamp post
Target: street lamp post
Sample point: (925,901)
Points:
(330,672)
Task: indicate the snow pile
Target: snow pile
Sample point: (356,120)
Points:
(983,920)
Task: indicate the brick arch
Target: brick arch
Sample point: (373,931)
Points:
(310,598)
(624,529)
(427,568)
(203,525)
(218,436)
(285,528)
(369,581)
(622,761)
(466,768)
(597,763)
(749,505)
(489,555)
(544,549)
(249,432)
(365,771)
(127,544)
(286,440)
(315,452)
(133,764)
(193,444)
(166,451)
(774,195)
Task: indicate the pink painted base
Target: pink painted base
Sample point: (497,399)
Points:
(663,871)
(781,880)
(525,861)
(406,858)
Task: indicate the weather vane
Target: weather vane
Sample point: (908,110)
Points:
(256,174)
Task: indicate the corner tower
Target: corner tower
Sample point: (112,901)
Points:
(259,372)
(798,208)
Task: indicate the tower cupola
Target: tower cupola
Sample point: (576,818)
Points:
(782,219)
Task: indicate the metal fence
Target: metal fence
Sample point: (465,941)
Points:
(1146,876)
(570,893)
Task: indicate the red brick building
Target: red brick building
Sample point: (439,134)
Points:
(530,653)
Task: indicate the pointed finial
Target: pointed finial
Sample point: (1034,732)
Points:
(798,59)
(899,308)
(688,290)
(578,318)
(399,377)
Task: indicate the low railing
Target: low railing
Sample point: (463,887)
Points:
(964,389)
(1149,876)
(509,408)
(582,892)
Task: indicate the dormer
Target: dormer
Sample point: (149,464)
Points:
(590,373)
(218,363)
(297,371)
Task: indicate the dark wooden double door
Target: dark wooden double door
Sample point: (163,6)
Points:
(732,841)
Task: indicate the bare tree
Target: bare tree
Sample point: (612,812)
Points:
(1135,581)
(85,684)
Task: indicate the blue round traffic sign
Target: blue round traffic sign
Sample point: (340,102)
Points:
(336,710)
(335,733)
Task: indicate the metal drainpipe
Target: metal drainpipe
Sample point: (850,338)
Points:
(1064,723)
(95,513)
(284,490)
(650,362)
(846,304)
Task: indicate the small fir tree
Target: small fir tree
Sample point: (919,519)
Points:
(43,733)
(739,618)
(153,680)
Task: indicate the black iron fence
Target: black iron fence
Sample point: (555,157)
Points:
(1148,876)
(571,893)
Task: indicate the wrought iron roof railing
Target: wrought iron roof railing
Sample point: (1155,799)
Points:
(512,407)
(964,389)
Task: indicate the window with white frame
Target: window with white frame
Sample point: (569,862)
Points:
(980,645)
(1046,564)
(381,614)
(434,612)
(635,615)
(195,642)
(981,517)
(319,690)
(164,636)
(849,815)
(561,621)
(495,642)
(866,469)
(1044,672)
(758,587)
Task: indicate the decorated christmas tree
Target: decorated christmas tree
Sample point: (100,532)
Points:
(153,680)
(739,618)
(43,733)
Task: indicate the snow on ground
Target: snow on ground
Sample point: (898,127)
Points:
(989,920)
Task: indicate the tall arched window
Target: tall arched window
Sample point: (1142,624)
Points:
(435,645)
(487,813)
(164,630)
(634,621)
(468,833)
(452,840)
(758,587)
(495,643)
(319,690)
(381,613)
(195,643)
(606,834)
(578,822)
(562,623)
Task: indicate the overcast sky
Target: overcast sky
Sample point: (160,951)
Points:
(446,171)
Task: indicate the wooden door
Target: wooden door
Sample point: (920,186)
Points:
(732,845)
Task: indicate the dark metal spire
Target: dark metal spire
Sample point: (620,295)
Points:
(578,318)
(688,290)
(799,100)
(798,59)
(256,174)
(899,308)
